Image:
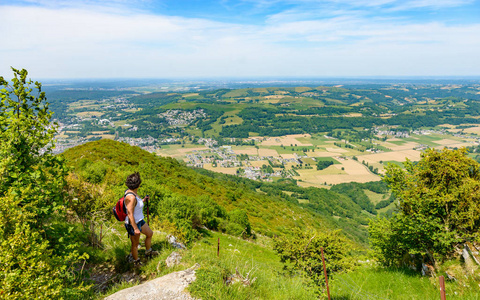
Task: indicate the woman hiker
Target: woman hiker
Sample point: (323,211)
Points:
(134,222)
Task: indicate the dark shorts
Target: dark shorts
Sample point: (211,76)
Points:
(130,229)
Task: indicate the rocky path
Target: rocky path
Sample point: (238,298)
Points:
(169,287)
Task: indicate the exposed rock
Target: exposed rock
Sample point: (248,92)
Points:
(173,259)
(173,241)
(428,270)
(469,264)
(472,250)
(450,277)
(168,287)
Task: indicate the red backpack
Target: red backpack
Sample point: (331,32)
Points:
(120,209)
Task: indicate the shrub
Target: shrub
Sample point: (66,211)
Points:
(302,252)
(239,217)
(95,172)
(439,207)
(190,213)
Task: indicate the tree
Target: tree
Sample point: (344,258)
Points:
(438,207)
(28,170)
(323,164)
(239,217)
(36,262)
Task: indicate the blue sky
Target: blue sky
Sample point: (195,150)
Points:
(241,38)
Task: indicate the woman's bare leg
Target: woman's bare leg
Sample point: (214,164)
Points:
(134,249)
(149,233)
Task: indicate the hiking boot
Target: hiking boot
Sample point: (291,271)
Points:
(137,263)
(129,258)
(150,253)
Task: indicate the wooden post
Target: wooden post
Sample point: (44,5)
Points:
(218,248)
(442,288)
(325,272)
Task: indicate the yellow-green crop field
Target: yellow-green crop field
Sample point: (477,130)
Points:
(319,147)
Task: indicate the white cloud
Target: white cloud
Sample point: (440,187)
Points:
(81,42)
(432,4)
(394,4)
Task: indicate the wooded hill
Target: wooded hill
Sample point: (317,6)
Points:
(270,111)
(179,194)
(192,198)
(274,111)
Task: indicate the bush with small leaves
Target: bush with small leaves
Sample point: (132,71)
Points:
(302,252)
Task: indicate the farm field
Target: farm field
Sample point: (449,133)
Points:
(177,151)
(351,165)
(375,197)
(288,140)
(230,171)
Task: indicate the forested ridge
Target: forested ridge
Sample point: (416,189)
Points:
(271,111)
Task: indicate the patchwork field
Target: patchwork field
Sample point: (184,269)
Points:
(337,150)
(258,163)
(245,150)
(287,140)
(267,152)
(177,151)
(297,152)
(399,156)
(346,169)
(89,114)
(231,171)
(103,136)
(475,130)
(452,143)
(320,153)
(400,146)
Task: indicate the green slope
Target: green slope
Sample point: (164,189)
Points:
(272,208)
(100,167)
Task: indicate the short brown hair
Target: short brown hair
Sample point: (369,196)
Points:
(133,181)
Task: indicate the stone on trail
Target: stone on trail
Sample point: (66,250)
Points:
(172,240)
(173,259)
(168,287)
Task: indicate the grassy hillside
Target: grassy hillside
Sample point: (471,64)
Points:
(272,208)
(103,165)
(98,170)
(187,204)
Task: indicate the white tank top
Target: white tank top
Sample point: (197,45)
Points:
(137,212)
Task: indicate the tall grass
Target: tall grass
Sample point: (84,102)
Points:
(370,282)
(259,262)
(255,260)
